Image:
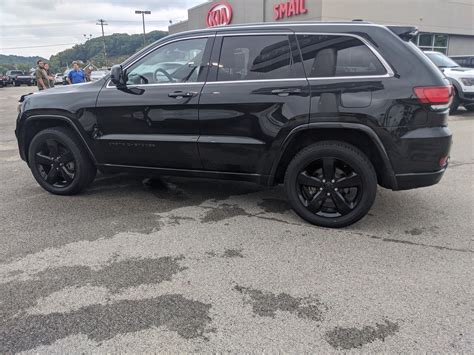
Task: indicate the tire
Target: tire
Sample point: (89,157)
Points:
(470,108)
(344,198)
(455,104)
(59,162)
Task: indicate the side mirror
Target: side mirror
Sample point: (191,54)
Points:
(118,77)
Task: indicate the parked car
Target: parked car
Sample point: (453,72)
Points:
(58,79)
(465,61)
(65,75)
(461,78)
(17,78)
(328,109)
(98,74)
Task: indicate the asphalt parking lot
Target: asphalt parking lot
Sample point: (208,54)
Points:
(134,265)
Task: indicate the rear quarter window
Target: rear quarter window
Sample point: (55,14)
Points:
(338,56)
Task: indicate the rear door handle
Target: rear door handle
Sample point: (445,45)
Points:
(286,92)
(182,94)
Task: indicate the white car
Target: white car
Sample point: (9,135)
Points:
(58,79)
(461,78)
(98,74)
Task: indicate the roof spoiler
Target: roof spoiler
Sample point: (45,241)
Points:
(404,32)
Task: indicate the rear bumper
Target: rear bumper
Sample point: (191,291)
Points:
(466,97)
(420,156)
(416,180)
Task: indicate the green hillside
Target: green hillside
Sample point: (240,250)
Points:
(8,62)
(119,46)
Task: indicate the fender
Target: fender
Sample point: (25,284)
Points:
(70,123)
(456,84)
(341,125)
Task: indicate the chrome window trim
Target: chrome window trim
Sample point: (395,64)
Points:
(254,81)
(155,84)
(390,73)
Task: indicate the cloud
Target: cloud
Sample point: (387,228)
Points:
(32,27)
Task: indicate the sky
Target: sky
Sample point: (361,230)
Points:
(46,27)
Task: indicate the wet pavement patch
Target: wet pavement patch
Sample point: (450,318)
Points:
(232,253)
(266,304)
(274,205)
(414,231)
(189,318)
(17,296)
(222,212)
(351,338)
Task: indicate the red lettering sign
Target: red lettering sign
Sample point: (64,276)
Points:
(219,14)
(289,9)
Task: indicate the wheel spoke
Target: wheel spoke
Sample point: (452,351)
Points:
(52,147)
(68,176)
(328,168)
(66,157)
(43,159)
(349,181)
(52,176)
(317,202)
(307,180)
(342,205)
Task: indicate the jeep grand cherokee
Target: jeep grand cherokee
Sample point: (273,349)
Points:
(329,109)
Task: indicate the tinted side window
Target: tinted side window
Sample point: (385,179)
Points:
(176,62)
(255,58)
(331,56)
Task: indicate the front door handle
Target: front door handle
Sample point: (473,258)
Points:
(182,94)
(286,91)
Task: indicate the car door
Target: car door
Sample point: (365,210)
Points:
(153,121)
(255,94)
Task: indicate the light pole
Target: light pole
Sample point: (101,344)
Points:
(143,13)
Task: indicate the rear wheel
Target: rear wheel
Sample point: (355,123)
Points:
(331,184)
(59,162)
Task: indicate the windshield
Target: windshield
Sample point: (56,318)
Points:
(442,61)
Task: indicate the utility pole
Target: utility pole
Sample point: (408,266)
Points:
(102,23)
(143,13)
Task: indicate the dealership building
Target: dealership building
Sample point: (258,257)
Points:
(445,25)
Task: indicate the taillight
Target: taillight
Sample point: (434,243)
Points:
(439,96)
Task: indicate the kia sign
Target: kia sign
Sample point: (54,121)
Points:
(289,9)
(219,14)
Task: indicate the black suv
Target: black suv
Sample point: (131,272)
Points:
(329,109)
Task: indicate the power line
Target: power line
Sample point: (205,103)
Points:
(42,46)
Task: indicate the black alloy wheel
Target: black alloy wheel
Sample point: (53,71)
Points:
(59,161)
(331,184)
(55,163)
(329,187)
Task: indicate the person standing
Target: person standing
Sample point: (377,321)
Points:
(76,75)
(50,75)
(41,76)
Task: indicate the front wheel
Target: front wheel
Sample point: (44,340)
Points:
(455,104)
(59,162)
(331,184)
